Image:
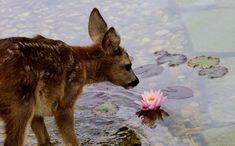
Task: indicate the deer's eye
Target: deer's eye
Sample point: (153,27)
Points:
(128,67)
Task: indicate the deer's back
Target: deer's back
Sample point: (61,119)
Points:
(33,68)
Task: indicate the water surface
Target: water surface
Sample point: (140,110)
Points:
(189,27)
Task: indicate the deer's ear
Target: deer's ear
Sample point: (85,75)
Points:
(97,27)
(111,40)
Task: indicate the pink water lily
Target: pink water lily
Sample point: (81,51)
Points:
(151,100)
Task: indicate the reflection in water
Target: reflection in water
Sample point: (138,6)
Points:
(149,117)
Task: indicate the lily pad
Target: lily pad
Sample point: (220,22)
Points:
(149,70)
(106,108)
(161,53)
(177,92)
(203,61)
(214,72)
(173,59)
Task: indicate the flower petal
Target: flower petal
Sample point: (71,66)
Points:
(144,104)
(151,99)
(151,107)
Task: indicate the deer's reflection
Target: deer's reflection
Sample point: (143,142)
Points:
(150,117)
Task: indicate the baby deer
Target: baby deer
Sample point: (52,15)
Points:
(43,77)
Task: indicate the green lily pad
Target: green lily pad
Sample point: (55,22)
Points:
(106,108)
(214,72)
(172,59)
(203,61)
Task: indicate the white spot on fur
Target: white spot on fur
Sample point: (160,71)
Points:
(10,51)
(27,68)
(72,76)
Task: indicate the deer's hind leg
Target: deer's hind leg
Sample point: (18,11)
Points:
(16,125)
(39,128)
(16,109)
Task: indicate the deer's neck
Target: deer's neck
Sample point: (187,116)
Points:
(96,71)
(93,65)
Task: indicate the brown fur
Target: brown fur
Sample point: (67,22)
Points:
(44,77)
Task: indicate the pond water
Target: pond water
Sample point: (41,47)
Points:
(200,108)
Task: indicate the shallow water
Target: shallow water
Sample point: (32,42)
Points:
(189,27)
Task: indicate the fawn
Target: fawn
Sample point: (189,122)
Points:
(43,77)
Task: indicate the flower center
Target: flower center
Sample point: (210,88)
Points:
(151,98)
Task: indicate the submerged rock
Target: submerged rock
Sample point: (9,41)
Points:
(104,131)
(123,137)
(101,124)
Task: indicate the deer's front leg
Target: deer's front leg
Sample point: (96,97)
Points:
(65,121)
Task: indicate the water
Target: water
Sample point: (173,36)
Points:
(188,27)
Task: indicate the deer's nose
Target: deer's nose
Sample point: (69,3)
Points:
(134,83)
